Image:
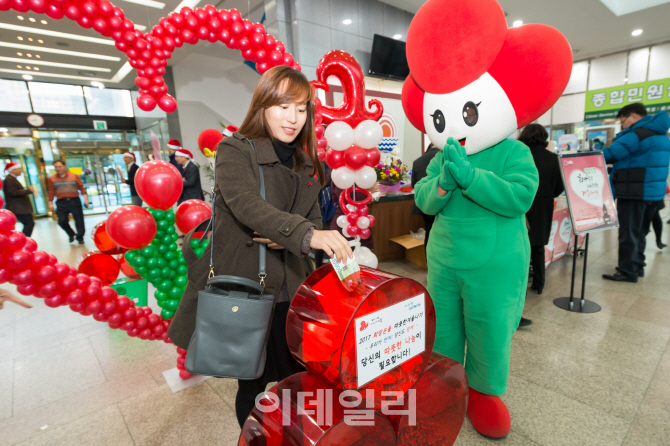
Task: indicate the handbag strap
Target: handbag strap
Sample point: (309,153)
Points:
(210,226)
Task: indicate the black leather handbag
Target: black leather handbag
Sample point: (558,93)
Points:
(233,318)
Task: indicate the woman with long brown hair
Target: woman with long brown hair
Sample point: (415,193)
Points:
(280,122)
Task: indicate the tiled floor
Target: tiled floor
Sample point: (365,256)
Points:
(591,379)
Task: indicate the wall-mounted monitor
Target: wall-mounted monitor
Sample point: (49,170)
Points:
(388,58)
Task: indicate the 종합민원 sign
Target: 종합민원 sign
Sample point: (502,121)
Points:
(606,102)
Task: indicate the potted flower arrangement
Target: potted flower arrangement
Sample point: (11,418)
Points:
(390,172)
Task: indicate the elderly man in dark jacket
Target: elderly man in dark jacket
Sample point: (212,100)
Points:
(17,199)
(191,177)
(640,154)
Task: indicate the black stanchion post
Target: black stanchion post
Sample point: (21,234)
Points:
(567,303)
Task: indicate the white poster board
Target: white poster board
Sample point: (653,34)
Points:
(389,337)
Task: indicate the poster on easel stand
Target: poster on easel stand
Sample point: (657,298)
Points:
(589,193)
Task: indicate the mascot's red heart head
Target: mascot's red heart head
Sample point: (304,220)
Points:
(471,76)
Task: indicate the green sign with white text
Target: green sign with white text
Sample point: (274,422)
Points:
(606,103)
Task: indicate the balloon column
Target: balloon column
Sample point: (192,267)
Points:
(353,135)
(39,274)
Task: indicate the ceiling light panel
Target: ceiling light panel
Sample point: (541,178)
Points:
(56,64)
(64,76)
(148,3)
(57,51)
(46,32)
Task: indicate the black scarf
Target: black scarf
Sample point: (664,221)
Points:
(284,152)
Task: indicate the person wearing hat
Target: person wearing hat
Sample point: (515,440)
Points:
(173,146)
(16,198)
(129,159)
(191,177)
(228,131)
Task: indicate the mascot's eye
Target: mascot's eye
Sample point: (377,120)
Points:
(438,121)
(471,113)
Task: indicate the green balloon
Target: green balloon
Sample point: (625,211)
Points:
(173,274)
(165,285)
(141,270)
(162,249)
(194,243)
(166,240)
(155,243)
(172,304)
(153,273)
(181,281)
(173,264)
(167,315)
(199,251)
(162,263)
(170,255)
(152,262)
(165,272)
(163,225)
(148,251)
(176,292)
(160,234)
(182,270)
(182,260)
(173,247)
(175,236)
(139,261)
(205,243)
(158,214)
(160,295)
(130,255)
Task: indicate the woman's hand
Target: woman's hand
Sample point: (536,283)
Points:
(7,296)
(333,243)
(267,241)
(374,188)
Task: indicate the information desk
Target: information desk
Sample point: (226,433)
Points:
(394,218)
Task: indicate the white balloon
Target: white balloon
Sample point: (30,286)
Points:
(368,134)
(351,207)
(340,135)
(343,177)
(365,177)
(366,257)
(342,221)
(345,233)
(363,222)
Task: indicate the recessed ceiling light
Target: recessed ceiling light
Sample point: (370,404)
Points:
(38,56)
(625,80)
(20,54)
(19,37)
(637,32)
(20,17)
(108,136)
(40,40)
(397,36)
(43,22)
(517,23)
(28,68)
(56,51)
(30,39)
(48,32)
(19,66)
(347,21)
(98,84)
(62,135)
(32,19)
(27,77)
(36,68)
(29,55)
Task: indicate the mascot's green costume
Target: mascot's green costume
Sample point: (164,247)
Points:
(472,84)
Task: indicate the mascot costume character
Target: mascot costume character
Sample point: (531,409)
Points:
(473,82)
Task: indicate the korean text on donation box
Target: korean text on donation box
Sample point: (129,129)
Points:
(389,337)
(589,192)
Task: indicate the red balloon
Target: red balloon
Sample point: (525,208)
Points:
(260,55)
(146,102)
(100,25)
(55,12)
(22,278)
(353,230)
(355,158)
(30,245)
(262,67)
(83,281)
(123,303)
(109,307)
(4,242)
(104,242)
(335,158)
(159,184)
(48,289)
(38,6)
(167,103)
(347,70)
(7,221)
(132,226)
(108,294)
(68,283)
(183,374)
(93,307)
(372,157)
(19,260)
(209,139)
(365,233)
(190,214)
(4,275)
(27,290)
(373,220)
(45,274)
(75,297)
(321,154)
(54,301)
(127,269)
(115,319)
(90,9)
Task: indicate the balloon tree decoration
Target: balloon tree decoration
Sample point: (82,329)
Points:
(353,135)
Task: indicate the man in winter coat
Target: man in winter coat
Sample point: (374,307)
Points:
(641,155)
(17,198)
(190,175)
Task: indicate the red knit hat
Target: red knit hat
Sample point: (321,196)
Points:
(228,131)
(174,144)
(185,153)
(11,166)
(131,154)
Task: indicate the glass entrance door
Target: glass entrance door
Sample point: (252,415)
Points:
(97,169)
